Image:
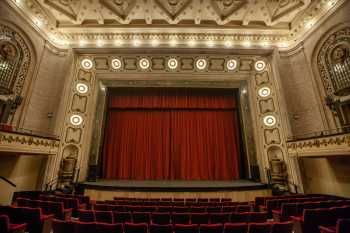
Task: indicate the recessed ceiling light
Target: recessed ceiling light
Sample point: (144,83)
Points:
(82,88)
(172,63)
(116,63)
(136,43)
(247,43)
(155,43)
(228,44)
(118,42)
(260,65)
(100,43)
(210,43)
(191,43)
(144,63)
(86,64)
(231,64)
(76,120)
(264,92)
(201,64)
(269,120)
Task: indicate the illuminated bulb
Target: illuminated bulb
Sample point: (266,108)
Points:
(136,43)
(82,43)
(309,24)
(18,1)
(38,22)
(244,91)
(283,45)
(100,43)
(76,120)
(210,43)
(118,42)
(330,3)
(191,43)
(228,44)
(173,43)
(155,43)
(247,43)
(265,44)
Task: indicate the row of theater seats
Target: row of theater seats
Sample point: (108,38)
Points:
(170,218)
(325,218)
(93,227)
(197,200)
(342,226)
(238,207)
(69,202)
(32,219)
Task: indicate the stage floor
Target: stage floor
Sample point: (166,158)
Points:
(174,185)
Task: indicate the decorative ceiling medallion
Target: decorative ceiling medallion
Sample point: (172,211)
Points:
(68,8)
(82,88)
(201,64)
(260,65)
(173,8)
(264,92)
(116,63)
(86,64)
(231,64)
(281,8)
(172,63)
(76,120)
(121,8)
(226,8)
(269,120)
(144,63)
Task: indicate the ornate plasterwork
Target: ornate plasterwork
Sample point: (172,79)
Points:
(8,34)
(27,144)
(263,23)
(324,146)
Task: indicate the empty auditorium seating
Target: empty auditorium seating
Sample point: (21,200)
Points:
(86,216)
(219,217)
(343,226)
(104,216)
(7,227)
(84,227)
(36,221)
(259,228)
(282,227)
(180,218)
(161,218)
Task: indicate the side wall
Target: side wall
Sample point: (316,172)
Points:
(41,106)
(307,111)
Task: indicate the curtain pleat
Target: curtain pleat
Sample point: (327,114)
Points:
(192,141)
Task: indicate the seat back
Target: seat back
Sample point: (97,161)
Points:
(343,226)
(60,226)
(282,227)
(4,224)
(211,228)
(108,228)
(141,217)
(161,218)
(185,228)
(122,217)
(199,218)
(104,216)
(181,218)
(219,217)
(86,216)
(84,227)
(257,217)
(235,228)
(259,228)
(155,228)
(136,228)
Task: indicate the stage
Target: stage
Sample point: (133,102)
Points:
(240,190)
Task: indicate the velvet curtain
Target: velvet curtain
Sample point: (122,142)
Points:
(171,134)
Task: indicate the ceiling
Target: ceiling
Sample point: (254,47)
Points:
(174,22)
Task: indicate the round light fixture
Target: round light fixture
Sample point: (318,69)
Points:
(86,64)
(264,92)
(269,120)
(172,63)
(260,65)
(82,88)
(231,64)
(201,64)
(116,63)
(76,120)
(144,63)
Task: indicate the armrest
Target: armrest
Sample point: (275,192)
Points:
(47,217)
(297,218)
(327,229)
(16,227)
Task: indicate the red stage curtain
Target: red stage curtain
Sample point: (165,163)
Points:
(194,142)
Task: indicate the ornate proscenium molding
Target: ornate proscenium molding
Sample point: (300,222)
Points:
(100,23)
(16,143)
(334,145)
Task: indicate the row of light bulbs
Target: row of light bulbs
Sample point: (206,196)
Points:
(144,63)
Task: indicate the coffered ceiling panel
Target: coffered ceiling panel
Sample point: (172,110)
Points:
(249,21)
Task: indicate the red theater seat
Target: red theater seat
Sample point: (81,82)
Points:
(259,228)
(186,228)
(141,217)
(235,228)
(36,221)
(257,217)
(7,227)
(122,217)
(156,228)
(181,218)
(199,218)
(219,217)
(84,227)
(136,228)
(61,226)
(211,228)
(243,208)
(108,228)
(282,227)
(161,218)
(104,216)
(86,216)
